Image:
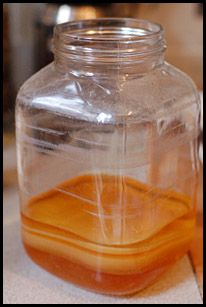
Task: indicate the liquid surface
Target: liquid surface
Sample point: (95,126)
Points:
(107,233)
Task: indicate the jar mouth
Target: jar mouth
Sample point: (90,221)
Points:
(106,37)
(110,29)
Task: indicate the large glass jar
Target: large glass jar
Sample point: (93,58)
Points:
(107,157)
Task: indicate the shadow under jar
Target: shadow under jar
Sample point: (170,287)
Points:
(107,157)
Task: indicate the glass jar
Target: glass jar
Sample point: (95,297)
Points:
(107,157)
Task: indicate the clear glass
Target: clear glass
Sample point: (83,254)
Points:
(107,157)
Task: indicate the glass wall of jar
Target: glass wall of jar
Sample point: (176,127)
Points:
(107,156)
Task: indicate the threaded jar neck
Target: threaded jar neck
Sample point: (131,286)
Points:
(115,41)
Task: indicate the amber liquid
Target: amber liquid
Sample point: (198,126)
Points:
(109,234)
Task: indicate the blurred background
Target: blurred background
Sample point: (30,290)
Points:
(27,32)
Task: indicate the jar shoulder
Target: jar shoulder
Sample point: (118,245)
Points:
(165,89)
(42,82)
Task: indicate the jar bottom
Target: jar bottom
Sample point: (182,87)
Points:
(117,246)
(108,284)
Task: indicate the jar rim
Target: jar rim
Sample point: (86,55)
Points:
(131,30)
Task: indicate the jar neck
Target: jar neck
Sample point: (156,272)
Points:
(108,46)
